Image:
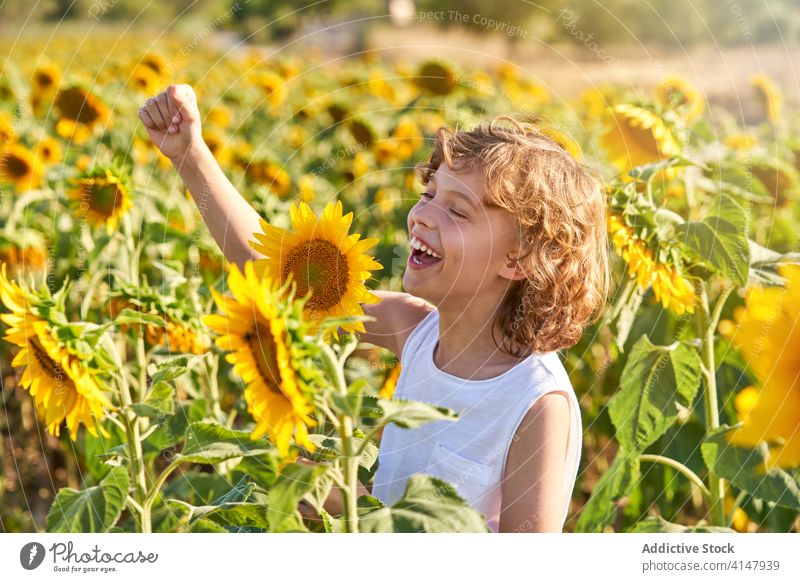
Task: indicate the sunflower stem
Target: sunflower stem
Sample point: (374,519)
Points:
(136,455)
(133,421)
(19,206)
(335,368)
(350,476)
(212,369)
(680,468)
(705,329)
(149,499)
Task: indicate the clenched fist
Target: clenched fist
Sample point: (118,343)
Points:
(173,121)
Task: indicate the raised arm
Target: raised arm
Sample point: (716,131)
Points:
(173,121)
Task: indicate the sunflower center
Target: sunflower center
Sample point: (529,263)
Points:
(103,198)
(16,166)
(262,346)
(44,80)
(75,104)
(319,266)
(52,369)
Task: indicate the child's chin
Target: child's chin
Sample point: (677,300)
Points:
(414,284)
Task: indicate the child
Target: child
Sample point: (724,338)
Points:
(508,240)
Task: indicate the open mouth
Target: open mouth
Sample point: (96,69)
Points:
(422,255)
(422,258)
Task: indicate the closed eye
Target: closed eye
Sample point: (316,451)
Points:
(430,196)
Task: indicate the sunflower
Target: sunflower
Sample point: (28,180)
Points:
(270,174)
(219,116)
(322,259)
(144,79)
(103,195)
(58,380)
(635,136)
(20,168)
(669,285)
(385,151)
(79,113)
(24,253)
(436,77)
(676,92)
(155,63)
(46,79)
(363,132)
(409,137)
(767,333)
(254,330)
(273,87)
(769,95)
(49,150)
(177,336)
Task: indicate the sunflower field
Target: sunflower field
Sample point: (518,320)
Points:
(150,386)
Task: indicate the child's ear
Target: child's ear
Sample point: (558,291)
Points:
(512,270)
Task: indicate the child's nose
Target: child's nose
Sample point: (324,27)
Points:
(424,215)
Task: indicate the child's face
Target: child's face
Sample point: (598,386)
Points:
(471,238)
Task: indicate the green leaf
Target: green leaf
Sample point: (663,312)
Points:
(331,524)
(293,483)
(617,482)
(627,316)
(131,316)
(209,443)
(231,509)
(170,368)
(658,524)
(91,510)
(428,505)
(656,379)
(745,468)
(331,448)
(370,407)
(262,469)
(158,402)
(647,171)
(764,265)
(413,414)
(719,241)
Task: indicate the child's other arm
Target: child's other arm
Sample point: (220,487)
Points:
(173,121)
(533,486)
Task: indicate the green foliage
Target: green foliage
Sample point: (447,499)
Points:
(427,505)
(208,443)
(94,509)
(719,241)
(617,482)
(745,468)
(655,382)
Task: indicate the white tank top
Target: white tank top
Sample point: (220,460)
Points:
(471,452)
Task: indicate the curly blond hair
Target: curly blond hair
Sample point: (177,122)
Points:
(560,207)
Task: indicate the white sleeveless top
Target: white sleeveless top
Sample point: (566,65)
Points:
(471,452)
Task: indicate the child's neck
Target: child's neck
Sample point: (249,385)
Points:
(466,348)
